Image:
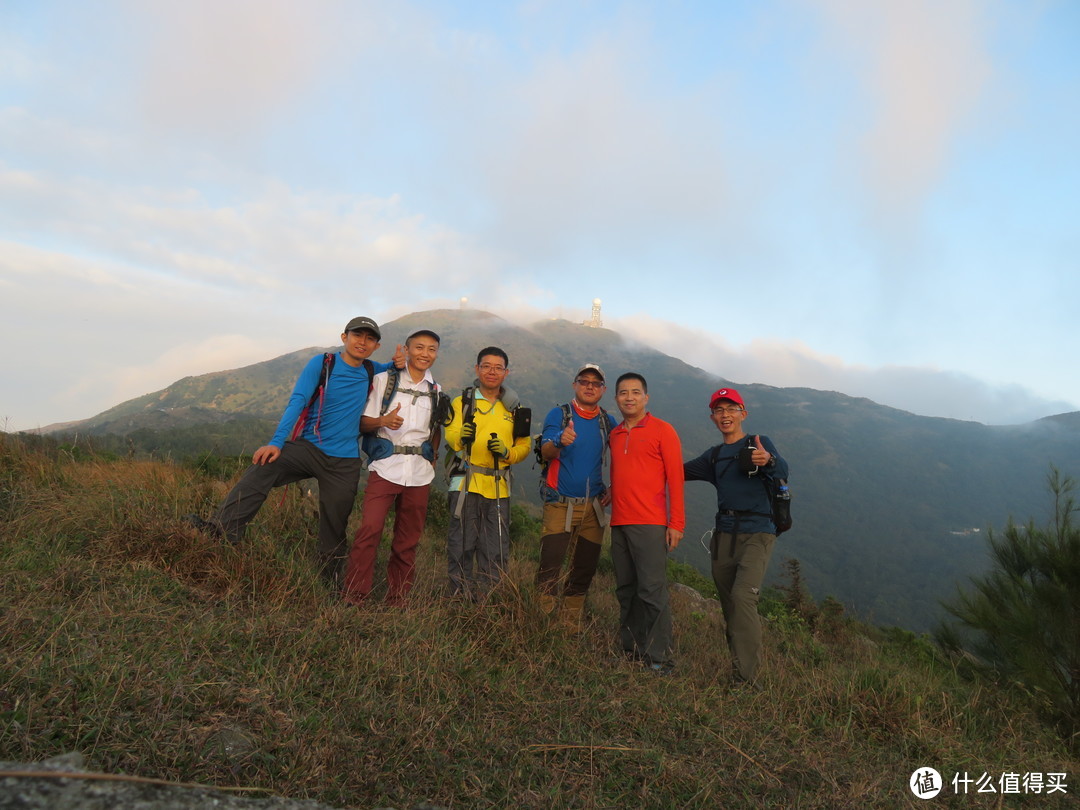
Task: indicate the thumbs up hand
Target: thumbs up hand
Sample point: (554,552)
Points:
(399,357)
(760,456)
(568,435)
(393,419)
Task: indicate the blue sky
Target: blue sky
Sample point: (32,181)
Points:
(878,198)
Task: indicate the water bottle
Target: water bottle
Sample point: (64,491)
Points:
(782,507)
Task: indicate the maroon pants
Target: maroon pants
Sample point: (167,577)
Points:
(410,506)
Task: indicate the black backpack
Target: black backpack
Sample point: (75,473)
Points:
(776,489)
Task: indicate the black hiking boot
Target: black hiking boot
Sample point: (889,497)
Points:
(208,527)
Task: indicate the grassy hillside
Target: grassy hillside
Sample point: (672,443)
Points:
(157,652)
(884,501)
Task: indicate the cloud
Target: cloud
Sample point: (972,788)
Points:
(924,68)
(224,67)
(926,391)
(589,148)
(305,244)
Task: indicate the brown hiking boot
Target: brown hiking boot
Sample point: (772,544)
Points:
(547,603)
(570,613)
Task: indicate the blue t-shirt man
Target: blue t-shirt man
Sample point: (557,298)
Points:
(327,448)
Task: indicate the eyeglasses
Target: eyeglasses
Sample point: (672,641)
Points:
(727,411)
(589,383)
(489,367)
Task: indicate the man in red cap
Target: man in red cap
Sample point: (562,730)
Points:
(744,535)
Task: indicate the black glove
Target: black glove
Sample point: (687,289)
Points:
(468,433)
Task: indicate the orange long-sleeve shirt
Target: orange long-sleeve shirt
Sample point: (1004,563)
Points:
(647,475)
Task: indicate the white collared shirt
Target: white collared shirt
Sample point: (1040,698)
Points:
(415,402)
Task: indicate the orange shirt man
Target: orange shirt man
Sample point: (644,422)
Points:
(647,522)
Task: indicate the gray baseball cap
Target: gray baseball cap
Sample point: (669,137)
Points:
(595,369)
(357,324)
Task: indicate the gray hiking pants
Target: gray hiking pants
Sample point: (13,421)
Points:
(478,545)
(639,555)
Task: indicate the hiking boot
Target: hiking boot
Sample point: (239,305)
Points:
(570,613)
(547,603)
(208,527)
(660,667)
(741,684)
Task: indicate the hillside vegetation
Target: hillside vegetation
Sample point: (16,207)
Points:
(158,652)
(890,508)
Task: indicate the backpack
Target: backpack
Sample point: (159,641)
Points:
(454,460)
(567,416)
(776,489)
(320,394)
(377,447)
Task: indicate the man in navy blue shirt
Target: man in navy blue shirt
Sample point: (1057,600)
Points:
(744,535)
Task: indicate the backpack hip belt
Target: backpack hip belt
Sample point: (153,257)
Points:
(501,472)
(571,503)
(497,474)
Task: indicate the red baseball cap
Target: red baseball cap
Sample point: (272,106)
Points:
(730,394)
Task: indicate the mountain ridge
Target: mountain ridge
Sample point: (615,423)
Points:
(880,494)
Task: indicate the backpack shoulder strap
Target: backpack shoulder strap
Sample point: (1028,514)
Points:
(567,415)
(324,376)
(468,402)
(393,378)
(370,377)
(605,425)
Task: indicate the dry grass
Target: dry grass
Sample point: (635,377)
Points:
(158,652)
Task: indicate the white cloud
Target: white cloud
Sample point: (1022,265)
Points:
(924,67)
(303,243)
(589,149)
(926,391)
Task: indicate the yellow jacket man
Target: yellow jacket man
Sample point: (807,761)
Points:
(482,433)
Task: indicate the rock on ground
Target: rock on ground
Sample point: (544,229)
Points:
(89,792)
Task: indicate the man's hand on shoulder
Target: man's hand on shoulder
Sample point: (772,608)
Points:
(266,455)
(399,357)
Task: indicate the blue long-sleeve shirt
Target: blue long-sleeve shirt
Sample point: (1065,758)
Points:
(578,467)
(736,491)
(336,431)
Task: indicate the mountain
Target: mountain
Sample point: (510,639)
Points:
(890,508)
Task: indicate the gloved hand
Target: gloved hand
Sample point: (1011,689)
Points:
(468,432)
(497,447)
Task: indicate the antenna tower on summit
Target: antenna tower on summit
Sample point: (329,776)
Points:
(594,321)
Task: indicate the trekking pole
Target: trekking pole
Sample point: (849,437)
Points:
(498,500)
(571,546)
